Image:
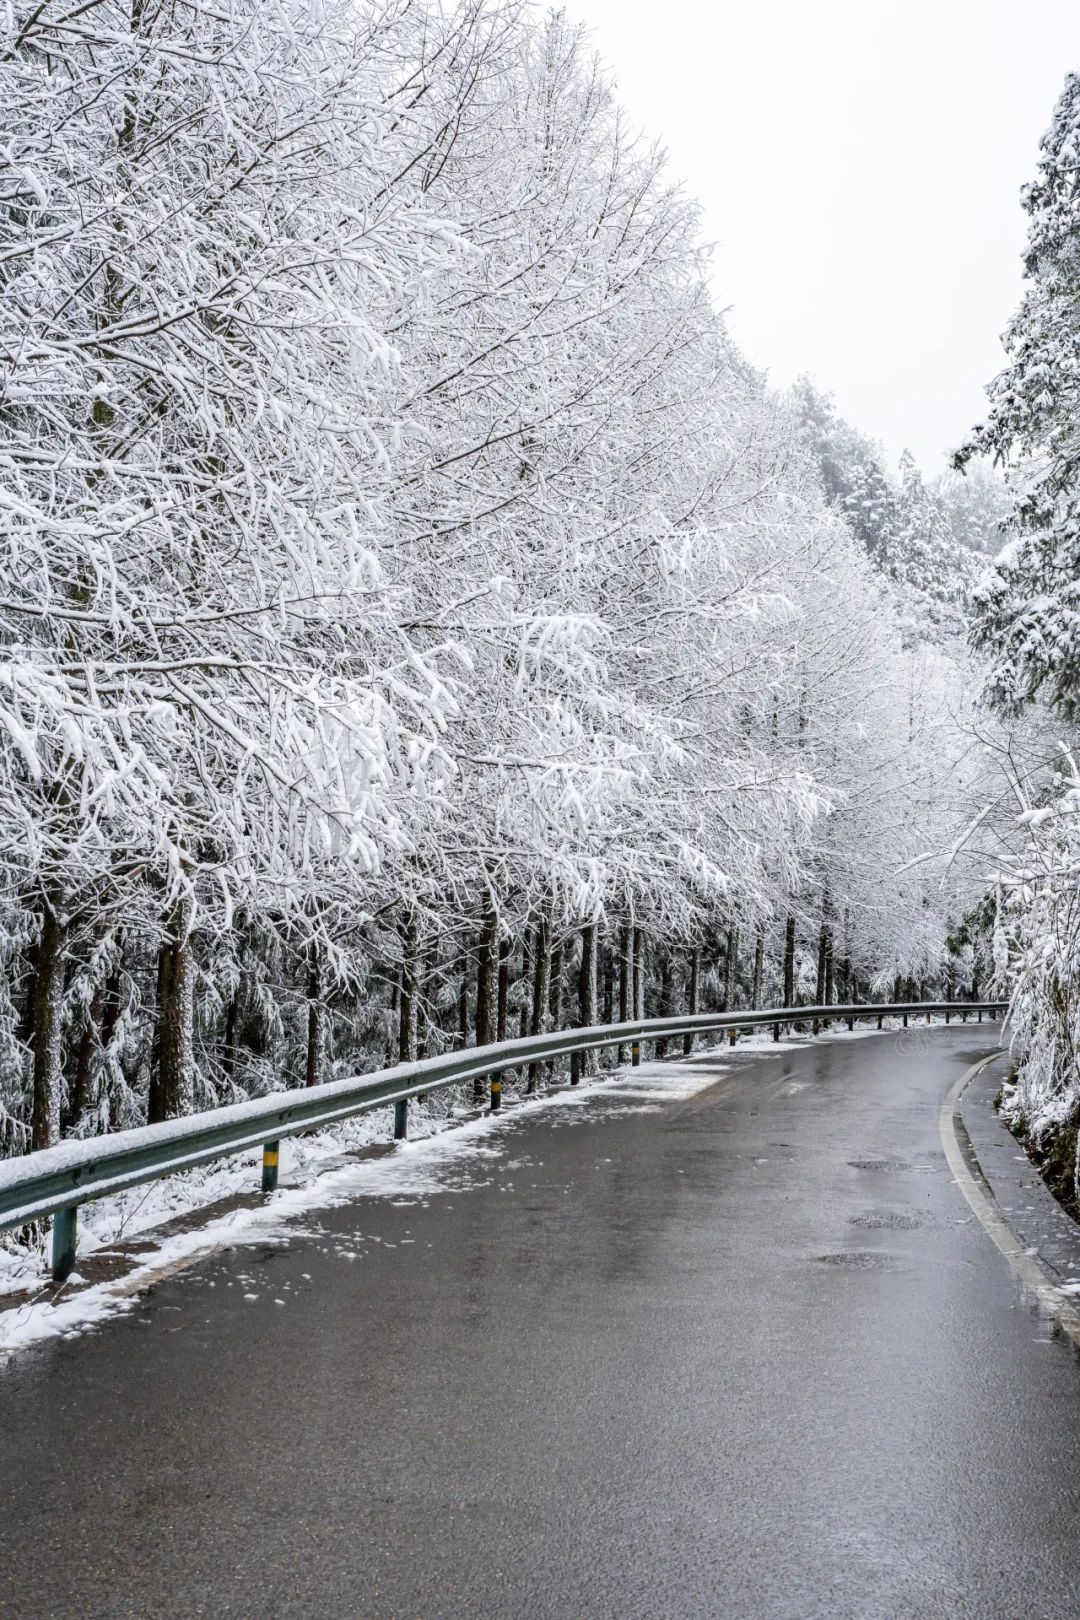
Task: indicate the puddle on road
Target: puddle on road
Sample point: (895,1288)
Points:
(886,1220)
(866,1259)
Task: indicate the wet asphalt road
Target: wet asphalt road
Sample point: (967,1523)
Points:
(745,1354)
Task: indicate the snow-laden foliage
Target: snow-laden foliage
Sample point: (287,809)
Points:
(1028,607)
(919,535)
(1026,625)
(419,622)
(1038,949)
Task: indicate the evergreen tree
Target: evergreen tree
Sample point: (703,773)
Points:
(1027,612)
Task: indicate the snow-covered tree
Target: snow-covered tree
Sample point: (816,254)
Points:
(1026,609)
(420,623)
(1025,624)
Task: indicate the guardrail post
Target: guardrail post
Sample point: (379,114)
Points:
(850,1025)
(575,1068)
(64,1237)
(948,1015)
(776,1032)
(905,1020)
(401,1119)
(880,1021)
(980,1015)
(635,1054)
(270,1166)
(688,1043)
(496,1093)
(815,1027)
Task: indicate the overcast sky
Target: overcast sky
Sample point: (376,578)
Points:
(858,162)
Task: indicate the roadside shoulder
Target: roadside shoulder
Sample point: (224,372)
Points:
(1019,1191)
(1006,1193)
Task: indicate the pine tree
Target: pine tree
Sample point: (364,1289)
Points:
(1027,612)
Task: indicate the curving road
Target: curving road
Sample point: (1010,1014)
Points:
(743,1354)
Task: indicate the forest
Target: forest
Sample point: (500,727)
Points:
(421,624)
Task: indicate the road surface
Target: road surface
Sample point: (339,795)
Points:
(741,1354)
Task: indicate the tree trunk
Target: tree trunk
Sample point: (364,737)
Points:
(626,973)
(639,975)
(431,969)
(731,969)
(541,990)
(665,997)
(608,1013)
(556,994)
(789,962)
(486,975)
(692,996)
(316,1019)
(111,1010)
(626,981)
(175,1092)
(557,985)
(82,1097)
(504,990)
(847,982)
(48,1008)
(463,1003)
(407,1004)
(587,991)
(26,1022)
(846,989)
(759,969)
(231,1045)
(822,963)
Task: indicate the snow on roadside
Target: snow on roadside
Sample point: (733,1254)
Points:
(116,1219)
(431,1161)
(443,1160)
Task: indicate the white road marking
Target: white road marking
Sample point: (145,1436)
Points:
(1032,1271)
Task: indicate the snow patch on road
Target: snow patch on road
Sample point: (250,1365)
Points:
(435,1160)
(445,1161)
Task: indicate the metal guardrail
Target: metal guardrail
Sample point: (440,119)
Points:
(55,1181)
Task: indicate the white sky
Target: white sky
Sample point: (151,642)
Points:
(858,162)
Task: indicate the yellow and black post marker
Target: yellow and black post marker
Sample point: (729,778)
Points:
(635,1054)
(269,1167)
(732,1036)
(496,1093)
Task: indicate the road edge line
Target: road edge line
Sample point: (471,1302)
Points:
(1032,1270)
